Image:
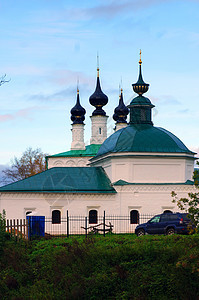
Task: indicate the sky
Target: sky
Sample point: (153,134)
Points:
(47,46)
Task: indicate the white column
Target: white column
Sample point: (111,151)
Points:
(77,137)
(120,126)
(98,129)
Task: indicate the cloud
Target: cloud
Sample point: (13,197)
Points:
(57,96)
(3,167)
(26,70)
(165,100)
(184,111)
(25,113)
(68,79)
(61,95)
(111,9)
(65,77)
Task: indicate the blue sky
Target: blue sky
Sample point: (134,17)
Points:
(46,45)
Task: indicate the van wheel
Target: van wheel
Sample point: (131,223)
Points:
(140,232)
(170,231)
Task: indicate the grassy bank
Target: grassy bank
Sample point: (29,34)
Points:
(114,267)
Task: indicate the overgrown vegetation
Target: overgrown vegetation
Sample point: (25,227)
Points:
(114,267)
(190,204)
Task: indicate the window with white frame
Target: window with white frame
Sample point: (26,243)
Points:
(134,216)
(56,216)
(93,216)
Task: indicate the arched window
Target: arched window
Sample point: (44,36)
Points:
(167,212)
(93,216)
(134,217)
(56,217)
(28,212)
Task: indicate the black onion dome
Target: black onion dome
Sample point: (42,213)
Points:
(98,99)
(140,106)
(78,112)
(140,87)
(121,111)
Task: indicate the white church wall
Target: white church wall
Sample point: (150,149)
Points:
(147,199)
(147,169)
(68,162)
(189,170)
(98,129)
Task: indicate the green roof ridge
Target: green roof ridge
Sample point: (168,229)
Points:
(64,180)
(91,150)
(123,182)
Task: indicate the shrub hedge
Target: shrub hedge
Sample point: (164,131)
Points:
(114,267)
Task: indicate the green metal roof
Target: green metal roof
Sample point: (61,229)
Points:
(123,182)
(141,100)
(64,180)
(142,138)
(91,150)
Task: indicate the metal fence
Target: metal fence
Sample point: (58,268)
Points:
(75,225)
(78,225)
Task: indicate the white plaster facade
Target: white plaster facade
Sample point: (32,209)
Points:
(119,126)
(98,129)
(77,137)
(68,161)
(147,199)
(147,167)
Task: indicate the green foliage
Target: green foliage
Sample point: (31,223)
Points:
(114,267)
(3,235)
(3,221)
(190,204)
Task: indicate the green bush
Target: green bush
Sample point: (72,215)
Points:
(114,267)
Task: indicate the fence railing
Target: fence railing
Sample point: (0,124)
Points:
(75,225)
(17,228)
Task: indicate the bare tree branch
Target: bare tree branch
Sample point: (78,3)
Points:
(2,79)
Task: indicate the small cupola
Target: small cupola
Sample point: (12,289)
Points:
(140,106)
(98,99)
(78,112)
(121,111)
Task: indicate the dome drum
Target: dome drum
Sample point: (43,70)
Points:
(140,116)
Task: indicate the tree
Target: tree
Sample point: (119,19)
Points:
(190,204)
(30,163)
(2,80)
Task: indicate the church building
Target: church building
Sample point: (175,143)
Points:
(131,172)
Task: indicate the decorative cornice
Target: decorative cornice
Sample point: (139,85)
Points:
(55,197)
(152,188)
(141,155)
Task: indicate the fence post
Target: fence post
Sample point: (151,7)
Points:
(14,225)
(27,229)
(11,227)
(7,227)
(86,226)
(17,229)
(67,223)
(104,223)
(21,228)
